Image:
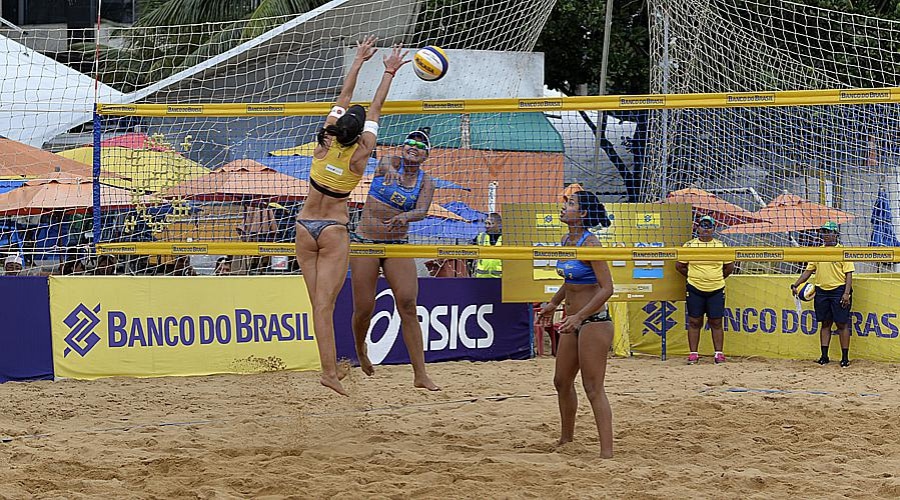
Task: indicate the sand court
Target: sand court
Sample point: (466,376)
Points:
(753,428)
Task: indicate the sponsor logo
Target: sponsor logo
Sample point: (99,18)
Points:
(276,249)
(265,108)
(654,254)
(864,95)
(630,102)
(367,251)
(749,98)
(438,105)
(458,252)
(175,109)
(81,323)
(540,103)
(554,254)
(190,249)
(134,332)
(870,255)
(127,249)
(115,108)
(759,255)
(789,321)
(444,327)
(659,317)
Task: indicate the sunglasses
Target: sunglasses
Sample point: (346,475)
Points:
(706,225)
(416,144)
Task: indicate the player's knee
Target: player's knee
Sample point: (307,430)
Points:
(715,323)
(563,384)
(406,306)
(695,322)
(593,389)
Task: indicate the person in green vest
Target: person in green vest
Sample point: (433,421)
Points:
(492,236)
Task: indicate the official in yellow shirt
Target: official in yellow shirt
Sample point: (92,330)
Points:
(705,291)
(834,293)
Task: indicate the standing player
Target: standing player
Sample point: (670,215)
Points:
(339,160)
(705,291)
(834,292)
(587,332)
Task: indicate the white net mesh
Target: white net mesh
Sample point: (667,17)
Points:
(49,94)
(841,156)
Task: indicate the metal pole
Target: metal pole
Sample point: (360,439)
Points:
(664,331)
(604,66)
(665,65)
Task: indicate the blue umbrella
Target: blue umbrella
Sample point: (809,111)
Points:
(883,234)
(434,227)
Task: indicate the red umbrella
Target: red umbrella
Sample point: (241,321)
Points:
(61,191)
(790,212)
(706,203)
(239,180)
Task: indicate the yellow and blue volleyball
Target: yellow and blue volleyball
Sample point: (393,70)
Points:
(430,63)
(807,292)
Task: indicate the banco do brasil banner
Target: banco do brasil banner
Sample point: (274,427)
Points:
(156,326)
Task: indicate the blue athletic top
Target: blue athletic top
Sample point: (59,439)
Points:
(577,272)
(395,195)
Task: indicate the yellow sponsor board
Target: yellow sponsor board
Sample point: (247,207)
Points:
(865,95)
(276,249)
(443,105)
(367,251)
(754,98)
(155,326)
(457,253)
(117,108)
(547,221)
(654,254)
(774,254)
(190,249)
(762,319)
(553,103)
(869,255)
(265,109)
(554,253)
(642,101)
(647,221)
(184,109)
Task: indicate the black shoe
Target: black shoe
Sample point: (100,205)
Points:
(845,363)
(823,360)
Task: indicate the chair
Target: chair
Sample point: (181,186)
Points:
(552,331)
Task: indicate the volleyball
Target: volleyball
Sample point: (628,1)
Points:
(430,63)
(806,292)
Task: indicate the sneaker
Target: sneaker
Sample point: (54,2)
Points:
(720,358)
(693,358)
(823,360)
(845,363)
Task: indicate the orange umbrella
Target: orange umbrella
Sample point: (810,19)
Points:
(24,161)
(790,212)
(60,191)
(241,179)
(706,203)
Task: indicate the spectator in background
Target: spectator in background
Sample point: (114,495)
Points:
(183,266)
(492,236)
(73,266)
(12,266)
(834,294)
(223,266)
(259,225)
(705,291)
(106,265)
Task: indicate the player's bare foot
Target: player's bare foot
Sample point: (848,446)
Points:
(362,353)
(606,454)
(425,383)
(334,384)
(343,369)
(562,441)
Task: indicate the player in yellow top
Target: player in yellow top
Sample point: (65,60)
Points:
(705,292)
(834,293)
(339,160)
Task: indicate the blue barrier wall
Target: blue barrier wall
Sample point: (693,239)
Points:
(25,351)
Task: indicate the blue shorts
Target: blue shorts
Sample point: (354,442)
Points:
(828,306)
(700,303)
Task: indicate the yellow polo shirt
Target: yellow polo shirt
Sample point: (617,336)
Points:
(706,276)
(830,275)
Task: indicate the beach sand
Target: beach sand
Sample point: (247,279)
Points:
(680,431)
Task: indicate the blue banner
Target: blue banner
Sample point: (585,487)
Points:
(25,352)
(461,319)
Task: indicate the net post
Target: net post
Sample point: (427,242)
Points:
(97,231)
